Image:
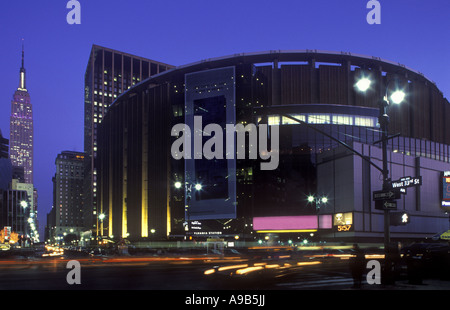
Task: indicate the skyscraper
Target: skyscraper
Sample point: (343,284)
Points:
(68,194)
(21,128)
(108,74)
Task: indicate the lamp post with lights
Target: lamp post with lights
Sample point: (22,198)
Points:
(397,97)
(317,200)
(189,187)
(101,217)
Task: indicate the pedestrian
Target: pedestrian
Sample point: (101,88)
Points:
(357,266)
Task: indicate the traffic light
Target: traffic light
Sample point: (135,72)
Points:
(399,218)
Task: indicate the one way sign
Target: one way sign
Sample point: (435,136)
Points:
(386,205)
(386,194)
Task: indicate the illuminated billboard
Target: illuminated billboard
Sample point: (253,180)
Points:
(285,223)
(343,221)
(325,221)
(210,96)
(446,189)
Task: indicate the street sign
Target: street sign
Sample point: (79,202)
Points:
(386,194)
(385,205)
(407,182)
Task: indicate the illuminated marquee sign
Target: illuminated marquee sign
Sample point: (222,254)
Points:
(288,224)
(446,189)
(343,222)
(285,223)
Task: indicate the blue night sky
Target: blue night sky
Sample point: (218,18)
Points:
(412,32)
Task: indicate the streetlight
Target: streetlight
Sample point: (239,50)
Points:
(397,97)
(317,200)
(363,84)
(197,187)
(101,217)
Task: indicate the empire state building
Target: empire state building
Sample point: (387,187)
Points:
(21,128)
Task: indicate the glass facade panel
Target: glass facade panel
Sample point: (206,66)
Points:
(217,197)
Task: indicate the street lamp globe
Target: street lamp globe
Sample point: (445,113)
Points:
(198,187)
(23,204)
(363,84)
(397,96)
(177,184)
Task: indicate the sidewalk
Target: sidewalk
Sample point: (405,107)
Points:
(427,284)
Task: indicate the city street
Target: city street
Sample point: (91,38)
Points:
(196,272)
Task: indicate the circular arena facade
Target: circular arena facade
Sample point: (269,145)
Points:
(324,170)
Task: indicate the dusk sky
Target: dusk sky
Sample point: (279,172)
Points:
(415,33)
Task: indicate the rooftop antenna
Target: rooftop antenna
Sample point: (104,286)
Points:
(23,53)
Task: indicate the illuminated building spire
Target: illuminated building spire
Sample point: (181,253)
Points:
(22,85)
(21,139)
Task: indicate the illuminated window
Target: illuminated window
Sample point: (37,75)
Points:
(342,120)
(289,121)
(273,120)
(364,121)
(319,118)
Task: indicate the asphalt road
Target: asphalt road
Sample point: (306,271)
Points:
(161,273)
(198,273)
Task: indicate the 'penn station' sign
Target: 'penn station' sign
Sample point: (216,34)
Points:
(446,189)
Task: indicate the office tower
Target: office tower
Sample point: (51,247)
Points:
(3,146)
(109,73)
(68,193)
(5,163)
(21,128)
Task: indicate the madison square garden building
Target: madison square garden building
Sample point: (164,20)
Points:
(328,148)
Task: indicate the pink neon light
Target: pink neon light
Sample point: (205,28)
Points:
(325,221)
(285,222)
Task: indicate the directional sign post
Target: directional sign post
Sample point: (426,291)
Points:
(385,199)
(386,194)
(386,205)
